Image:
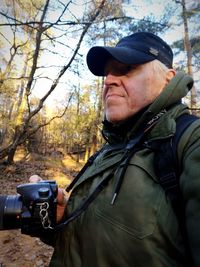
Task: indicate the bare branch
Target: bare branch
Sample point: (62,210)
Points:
(53,118)
(22,130)
(56,81)
(37,49)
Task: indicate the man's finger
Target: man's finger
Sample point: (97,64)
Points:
(61,198)
(35,179)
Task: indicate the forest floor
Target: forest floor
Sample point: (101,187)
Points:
(16,249)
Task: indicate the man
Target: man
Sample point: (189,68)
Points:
(118,215)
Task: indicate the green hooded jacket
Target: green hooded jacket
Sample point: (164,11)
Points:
(140,228)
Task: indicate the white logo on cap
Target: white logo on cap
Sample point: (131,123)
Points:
(153,51)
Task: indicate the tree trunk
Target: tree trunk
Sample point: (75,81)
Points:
(87,153)
(11,154)
(188,49)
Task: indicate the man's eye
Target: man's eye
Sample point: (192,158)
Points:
(126,69)
(118,70)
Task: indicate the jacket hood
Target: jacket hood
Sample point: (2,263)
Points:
(176,89)
(172,94)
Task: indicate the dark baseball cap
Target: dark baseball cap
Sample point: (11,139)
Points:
(137,48)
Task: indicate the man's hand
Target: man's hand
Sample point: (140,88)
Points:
(61,204)
(61,198)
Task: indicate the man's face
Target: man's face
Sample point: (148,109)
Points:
(129,88)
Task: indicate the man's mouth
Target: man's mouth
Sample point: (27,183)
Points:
(114,95)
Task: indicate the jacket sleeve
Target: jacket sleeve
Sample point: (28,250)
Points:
(190,186)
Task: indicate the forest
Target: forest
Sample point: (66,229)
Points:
(50,104)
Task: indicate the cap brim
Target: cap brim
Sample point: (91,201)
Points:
(98,56)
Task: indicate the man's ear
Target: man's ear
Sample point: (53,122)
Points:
(170,74)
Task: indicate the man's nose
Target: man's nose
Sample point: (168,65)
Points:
(111,79)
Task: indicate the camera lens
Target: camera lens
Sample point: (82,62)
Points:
(10,212)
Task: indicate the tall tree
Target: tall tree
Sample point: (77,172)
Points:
(189,44)
(188,49)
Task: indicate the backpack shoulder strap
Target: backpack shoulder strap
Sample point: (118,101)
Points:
(166,162)
(168,169)
(182,123)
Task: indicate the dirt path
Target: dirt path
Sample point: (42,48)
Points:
(21,250)
(18,250)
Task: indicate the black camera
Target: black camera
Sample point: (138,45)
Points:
(33,209)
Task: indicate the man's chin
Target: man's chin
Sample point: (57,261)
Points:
(115,118)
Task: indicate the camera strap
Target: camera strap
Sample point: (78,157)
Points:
(100,186)
(118,171)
